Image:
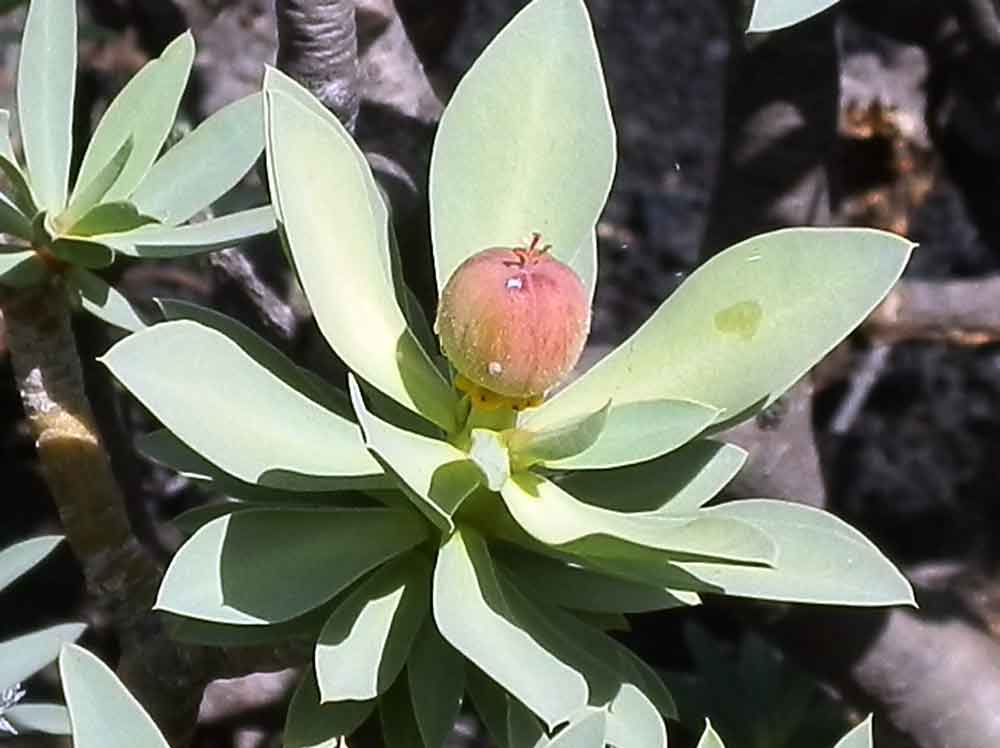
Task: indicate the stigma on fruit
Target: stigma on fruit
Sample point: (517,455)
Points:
(513,322)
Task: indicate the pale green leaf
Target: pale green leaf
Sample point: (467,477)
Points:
(144,110)
(590,731)
(46,82)
(49,718)
(17,559)
(821,560)
(166,449)
(364,645)
(311,724)
(859,737)
(747,324)
(319,188)
(526,144)
(634,721)
(103,300)
(605,664)
(472,614)
(156,241)
(488,450)
(84,252)
(205,165)
(236,569)
(13,221)
(553,517)
(21,194)
(263,352)
(639,431)
(528,447)
(770,15)
(109,219)
(680,482)
(710,738)
(436,675)
(182,370)
(304,629)
(490,702)
(102,712)
(21,269)
(24,656)
(573,586)
(90,195)
(437,476)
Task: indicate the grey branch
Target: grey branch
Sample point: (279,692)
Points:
(318,46)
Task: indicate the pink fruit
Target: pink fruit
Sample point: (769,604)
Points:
(513,320)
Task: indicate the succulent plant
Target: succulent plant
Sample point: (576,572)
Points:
(128,198)
(432,549)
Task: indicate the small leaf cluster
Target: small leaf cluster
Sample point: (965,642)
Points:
(129,197)
(435,551)
(22,657)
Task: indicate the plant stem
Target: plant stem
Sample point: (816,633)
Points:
(121,575)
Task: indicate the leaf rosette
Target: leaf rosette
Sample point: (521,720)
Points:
(432,549)
(130,197)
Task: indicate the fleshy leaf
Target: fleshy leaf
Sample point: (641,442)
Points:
(144,111)
(311,724)
(103,300)
(21,269)
(471,613)
(304,628)
(437,476)
(87,253)
(364,645)
(639,431)
(90,195)
(205,165)
(236,569)
(710,738)
(821,560)
(634,721)
(24,656)
(768,308)
(109,218)
(859,737)
(46,84)
(564,440)
(319,188)
(490,454)
(102,712)
(770,15)
(589,731)
(21,195)
(553,517)
(156,241)
(680,482)
(506,163)
(395,711)
(48,718)
(263,352)
(182,370)
(13,221)
(434,661)
(21,557)
(572,586)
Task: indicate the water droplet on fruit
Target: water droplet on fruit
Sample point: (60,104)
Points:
(514,283)
(495,368)
(741,319)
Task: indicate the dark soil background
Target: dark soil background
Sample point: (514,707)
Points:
(917,151)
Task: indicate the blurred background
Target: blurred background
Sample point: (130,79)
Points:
(882,113)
